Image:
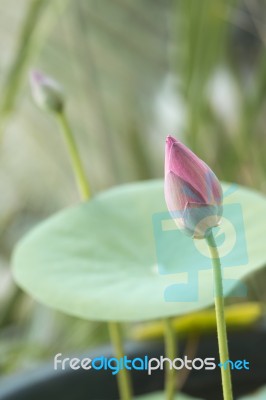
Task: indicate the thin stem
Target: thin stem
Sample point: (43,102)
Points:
(25,46)
(191,348)
(123,377)
(170,352)
(77,165)
(220,318)
(10,307)
(124,382)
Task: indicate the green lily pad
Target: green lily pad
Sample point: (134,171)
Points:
(258,395)
(161,396)
(98,260)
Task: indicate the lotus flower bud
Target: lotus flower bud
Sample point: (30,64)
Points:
(193,193)
(46,92)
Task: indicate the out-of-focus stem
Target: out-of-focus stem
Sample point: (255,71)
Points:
(170,352)
(30,38)
(123,377)
(12,302)
(24,50)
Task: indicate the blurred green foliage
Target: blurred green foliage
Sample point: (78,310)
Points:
(133,72)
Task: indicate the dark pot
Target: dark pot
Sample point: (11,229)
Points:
(45,383)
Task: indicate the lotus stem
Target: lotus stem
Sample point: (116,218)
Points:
(77,165)
(170,352)
(25,47)
(220,318)
(123,377)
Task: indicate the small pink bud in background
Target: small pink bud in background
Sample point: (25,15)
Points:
(46,92)
(193,193)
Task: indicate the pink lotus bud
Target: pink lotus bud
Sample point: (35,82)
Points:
(193,193)
(46,92)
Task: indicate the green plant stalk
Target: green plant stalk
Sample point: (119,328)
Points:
(123,378)
(220,318)
(170,352)
(14,299)
(77,165)
(25,47)
(30,38)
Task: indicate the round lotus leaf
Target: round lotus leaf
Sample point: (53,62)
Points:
(120,256)
(161,396)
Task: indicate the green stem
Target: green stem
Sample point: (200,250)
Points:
(25,46)
(170,352)
(33,33)
(10,307)
(123,378)
(77,165)
(124,383)
(220,318)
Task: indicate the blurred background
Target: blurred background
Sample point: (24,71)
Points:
(133,72)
